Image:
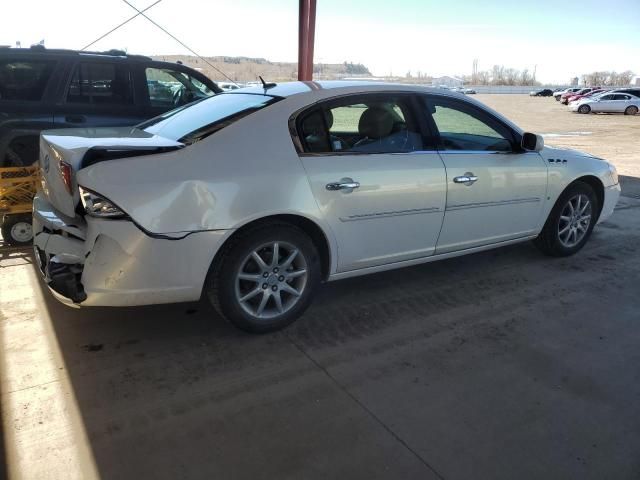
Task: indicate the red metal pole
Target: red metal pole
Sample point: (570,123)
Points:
(306,36)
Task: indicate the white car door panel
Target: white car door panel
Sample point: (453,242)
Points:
(380,191)
(495,193)
(396,212)
(505,202)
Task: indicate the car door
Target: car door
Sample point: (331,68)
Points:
(604,103)
(620,102)
(99,93)
(495,191)
(379,186)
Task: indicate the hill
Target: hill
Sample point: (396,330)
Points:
(244,69)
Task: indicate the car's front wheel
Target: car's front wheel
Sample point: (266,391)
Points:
(266,277)
(584,109)
(570,222)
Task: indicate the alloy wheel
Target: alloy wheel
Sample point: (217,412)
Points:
(575,219)
(271,280)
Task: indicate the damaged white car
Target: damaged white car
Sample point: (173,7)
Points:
(252,198)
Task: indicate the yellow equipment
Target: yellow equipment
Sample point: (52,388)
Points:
(18,186)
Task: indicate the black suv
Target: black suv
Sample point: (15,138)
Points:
(42,89)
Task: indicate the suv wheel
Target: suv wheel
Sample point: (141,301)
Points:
(266,278)
(571,221)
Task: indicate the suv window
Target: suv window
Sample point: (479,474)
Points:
(101,84)
(374,124)
(464,127)
(171,88)
(24,80)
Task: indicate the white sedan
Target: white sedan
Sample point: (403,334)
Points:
(252,198)
(610,102)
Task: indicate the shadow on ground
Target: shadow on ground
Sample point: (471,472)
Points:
(504,364)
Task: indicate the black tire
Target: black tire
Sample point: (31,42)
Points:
(549,239)
(631,110)
(584,109)
(220,287)
(14,229)
(557,97)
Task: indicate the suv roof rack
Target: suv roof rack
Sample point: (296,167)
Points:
(62,51)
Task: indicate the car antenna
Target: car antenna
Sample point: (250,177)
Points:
(266,85)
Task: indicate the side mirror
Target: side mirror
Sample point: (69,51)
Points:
(532,142)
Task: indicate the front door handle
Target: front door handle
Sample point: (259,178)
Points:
(346,184)
(467,179)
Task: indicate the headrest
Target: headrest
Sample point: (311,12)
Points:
(376,122)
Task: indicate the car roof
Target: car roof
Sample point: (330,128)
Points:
(335,87)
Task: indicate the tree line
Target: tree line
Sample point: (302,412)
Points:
(608,78)
(501,75)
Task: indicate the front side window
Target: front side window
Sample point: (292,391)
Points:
(101,84)
(606,97)
(370,124)
(171,88)
(24,80)
(191,123)
(464,127)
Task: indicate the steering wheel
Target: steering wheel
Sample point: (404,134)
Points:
(182,96)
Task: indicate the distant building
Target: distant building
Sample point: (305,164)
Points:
(574,81)
(635,81)
(447,81)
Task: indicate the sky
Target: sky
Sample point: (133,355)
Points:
(560,39)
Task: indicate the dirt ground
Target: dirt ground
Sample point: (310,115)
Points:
(614,137)
(500,365)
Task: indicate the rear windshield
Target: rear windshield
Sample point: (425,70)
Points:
(192,122)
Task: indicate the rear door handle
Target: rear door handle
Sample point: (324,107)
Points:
(345,184)
(467,179)
(75,118)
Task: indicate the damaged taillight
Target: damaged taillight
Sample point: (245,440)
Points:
(65,172)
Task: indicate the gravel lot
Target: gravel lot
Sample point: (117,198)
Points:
(504,364)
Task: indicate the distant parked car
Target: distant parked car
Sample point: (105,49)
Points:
(545,92)
(226,86)
(42,89)
(577,96)
(469,91)
(631,91)
(564,98)
(608,103)
(557,95)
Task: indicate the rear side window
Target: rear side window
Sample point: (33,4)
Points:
(101,84)
(24,80)
(191,123)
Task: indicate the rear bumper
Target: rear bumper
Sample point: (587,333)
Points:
(611,196)
(102,262)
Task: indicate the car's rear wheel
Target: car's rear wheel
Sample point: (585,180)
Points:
(584,109)
(17,230)
(570,222)
(631,110)
(266,278)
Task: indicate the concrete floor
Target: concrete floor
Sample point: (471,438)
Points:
(505,364)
